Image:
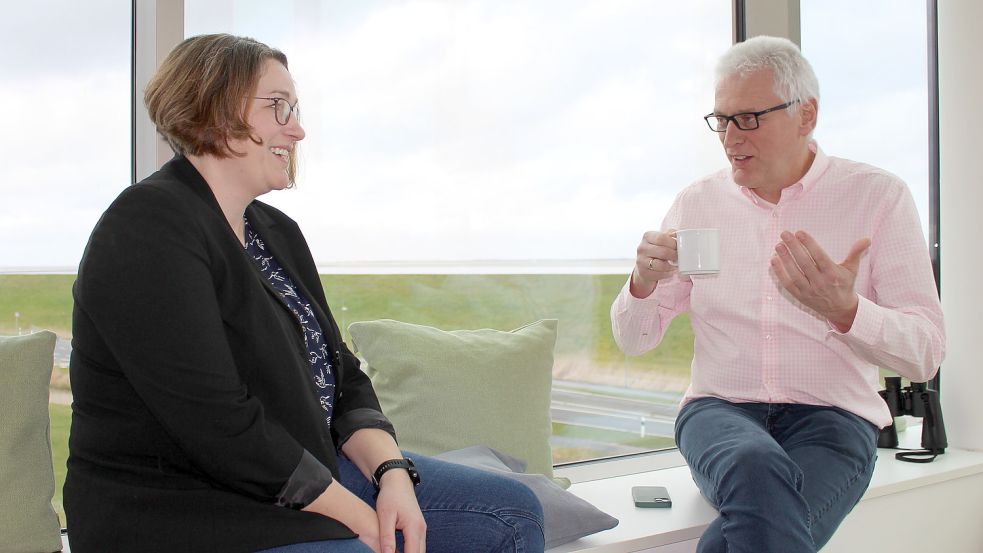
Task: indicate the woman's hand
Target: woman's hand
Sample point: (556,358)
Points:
(342,505)
(396,505)
(655,260)
(398,509)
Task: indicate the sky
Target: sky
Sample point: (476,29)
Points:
(447,131)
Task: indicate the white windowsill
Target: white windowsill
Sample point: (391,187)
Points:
(641,529)
(607,485)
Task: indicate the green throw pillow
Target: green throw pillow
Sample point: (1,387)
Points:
(447,390)
(28,523)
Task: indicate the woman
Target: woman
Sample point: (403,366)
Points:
(216,407)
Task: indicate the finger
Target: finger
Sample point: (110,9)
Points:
(806,263)
(651,237)
(816,251)
(784,256)
(413,541)
(852,260)
(785,268)
(415,537)
(652,241)
(387,530)
(656,265)
(670,242)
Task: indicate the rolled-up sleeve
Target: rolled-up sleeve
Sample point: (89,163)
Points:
(306,483)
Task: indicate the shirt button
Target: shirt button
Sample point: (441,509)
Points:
(767,336)
(768,298)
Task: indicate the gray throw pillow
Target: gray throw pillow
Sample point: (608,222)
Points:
(28,523)
(566,516)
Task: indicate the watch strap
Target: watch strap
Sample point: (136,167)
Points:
(405,463)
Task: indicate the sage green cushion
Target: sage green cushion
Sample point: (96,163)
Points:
(447,390)
(28,523)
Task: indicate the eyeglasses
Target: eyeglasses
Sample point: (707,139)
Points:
(282,109)
(744,121)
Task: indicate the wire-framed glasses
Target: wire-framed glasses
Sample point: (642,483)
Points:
(744,121)
(282,109)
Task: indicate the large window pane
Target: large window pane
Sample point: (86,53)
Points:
(874,93)
(66,96)
(871,59)
(486,163)
(65,88)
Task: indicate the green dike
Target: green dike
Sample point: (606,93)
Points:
(580,302)
(61,419)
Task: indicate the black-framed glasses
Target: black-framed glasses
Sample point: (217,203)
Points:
(744,121)
(282,108)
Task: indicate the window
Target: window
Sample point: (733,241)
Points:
(874,93)
(66,120)
(486,163)
(877,116)
(67,128)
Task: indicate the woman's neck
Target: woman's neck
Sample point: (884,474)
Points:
(226,184)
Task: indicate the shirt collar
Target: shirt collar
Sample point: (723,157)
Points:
(818,167)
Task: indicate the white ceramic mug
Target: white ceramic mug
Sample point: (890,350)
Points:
(698,251)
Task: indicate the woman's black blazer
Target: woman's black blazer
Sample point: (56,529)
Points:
(195,425)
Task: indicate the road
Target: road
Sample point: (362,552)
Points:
(636,411)
(594,406)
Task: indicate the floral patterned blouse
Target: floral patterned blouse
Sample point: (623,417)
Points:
(320,358)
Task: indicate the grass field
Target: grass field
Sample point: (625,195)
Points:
(581,303)
(61,418)
(585,349)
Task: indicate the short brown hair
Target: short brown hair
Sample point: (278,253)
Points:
(197,96)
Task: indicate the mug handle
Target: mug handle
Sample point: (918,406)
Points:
(673,236)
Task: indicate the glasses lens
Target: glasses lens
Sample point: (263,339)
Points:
(717,123)
(282,109)
(746,121)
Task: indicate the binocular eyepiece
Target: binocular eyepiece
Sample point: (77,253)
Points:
(916,400)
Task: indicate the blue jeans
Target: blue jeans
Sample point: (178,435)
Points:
(466,510)
(782,476)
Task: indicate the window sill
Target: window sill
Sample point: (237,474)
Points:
(644,529)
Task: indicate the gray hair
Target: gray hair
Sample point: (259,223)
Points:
(793,75)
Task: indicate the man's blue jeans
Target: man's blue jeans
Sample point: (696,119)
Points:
(783,476)
(467,510)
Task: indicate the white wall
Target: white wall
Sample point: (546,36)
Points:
(961,206)
(942,517)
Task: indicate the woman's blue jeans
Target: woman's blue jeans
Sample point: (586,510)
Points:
(782,476)
(466,510)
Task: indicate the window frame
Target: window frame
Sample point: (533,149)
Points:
(158,26)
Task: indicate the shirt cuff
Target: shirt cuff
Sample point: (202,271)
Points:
(308,481)
(357,419)
(866,327)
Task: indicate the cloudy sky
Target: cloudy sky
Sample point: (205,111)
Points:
(446,130)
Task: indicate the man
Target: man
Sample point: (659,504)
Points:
(824,277)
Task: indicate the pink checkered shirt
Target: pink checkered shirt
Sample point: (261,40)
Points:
(754,341)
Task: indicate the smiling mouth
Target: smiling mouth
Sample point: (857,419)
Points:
(283,153)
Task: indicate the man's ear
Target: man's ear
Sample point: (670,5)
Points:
(808,113)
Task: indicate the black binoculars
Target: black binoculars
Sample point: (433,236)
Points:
(916,400)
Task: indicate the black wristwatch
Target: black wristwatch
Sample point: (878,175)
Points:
(386,466)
